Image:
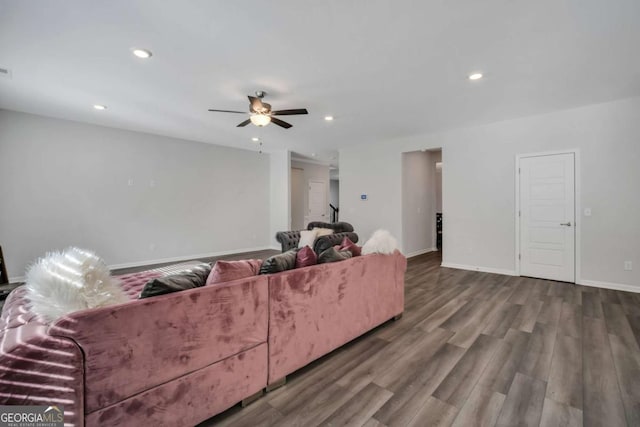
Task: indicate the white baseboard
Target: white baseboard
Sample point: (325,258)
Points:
(478,268)
(609,285)
(420,252)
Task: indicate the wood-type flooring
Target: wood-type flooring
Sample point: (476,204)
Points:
(473,349)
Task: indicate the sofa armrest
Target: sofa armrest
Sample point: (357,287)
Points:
(288,239)
(325,242)
(37,368)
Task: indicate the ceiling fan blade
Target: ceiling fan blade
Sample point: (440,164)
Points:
(290,112)
(280,123)
(256,104)
(228,111)
(243,124)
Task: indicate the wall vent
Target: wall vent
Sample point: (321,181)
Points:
(5,72)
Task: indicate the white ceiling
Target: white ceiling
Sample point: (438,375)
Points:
(383,68)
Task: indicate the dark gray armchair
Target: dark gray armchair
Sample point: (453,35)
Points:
(290,239)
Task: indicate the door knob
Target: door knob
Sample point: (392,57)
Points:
(566,224)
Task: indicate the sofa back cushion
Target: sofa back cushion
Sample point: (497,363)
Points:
(132,347)
(226,271)
(281,262)
(333,255)
(190,279)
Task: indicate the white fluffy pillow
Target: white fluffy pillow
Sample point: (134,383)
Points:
(381,242)
(307,237)
(71,280)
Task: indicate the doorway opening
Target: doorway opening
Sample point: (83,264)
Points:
(422,219)
(309,192)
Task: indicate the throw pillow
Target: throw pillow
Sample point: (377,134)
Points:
(280,262)
(348,245)
(307,238)
(333,255)
(190,279)
(306,257)
(226,271)
(68,281)
(381,242)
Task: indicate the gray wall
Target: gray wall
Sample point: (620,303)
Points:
(479,187)
(65,183)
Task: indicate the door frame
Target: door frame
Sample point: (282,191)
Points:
(576,214)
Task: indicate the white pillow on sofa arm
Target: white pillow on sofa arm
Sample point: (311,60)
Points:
(71,280)
(307,238)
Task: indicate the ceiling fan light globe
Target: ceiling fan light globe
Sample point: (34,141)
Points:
(260,119)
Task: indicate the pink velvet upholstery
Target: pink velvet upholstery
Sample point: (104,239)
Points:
(136,346)
(98,363)
(36,368)
(192,398)
(181,358)
(315,310)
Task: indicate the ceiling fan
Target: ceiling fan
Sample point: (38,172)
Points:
(261,113)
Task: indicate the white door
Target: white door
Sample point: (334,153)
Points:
(547,217)
(317,198)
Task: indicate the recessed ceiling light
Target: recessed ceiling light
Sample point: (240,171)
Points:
(100,107)
(142,53)
(475,76)
(254,139)
(313,154)
(328,118)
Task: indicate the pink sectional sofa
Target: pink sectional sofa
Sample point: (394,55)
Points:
(178,359)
